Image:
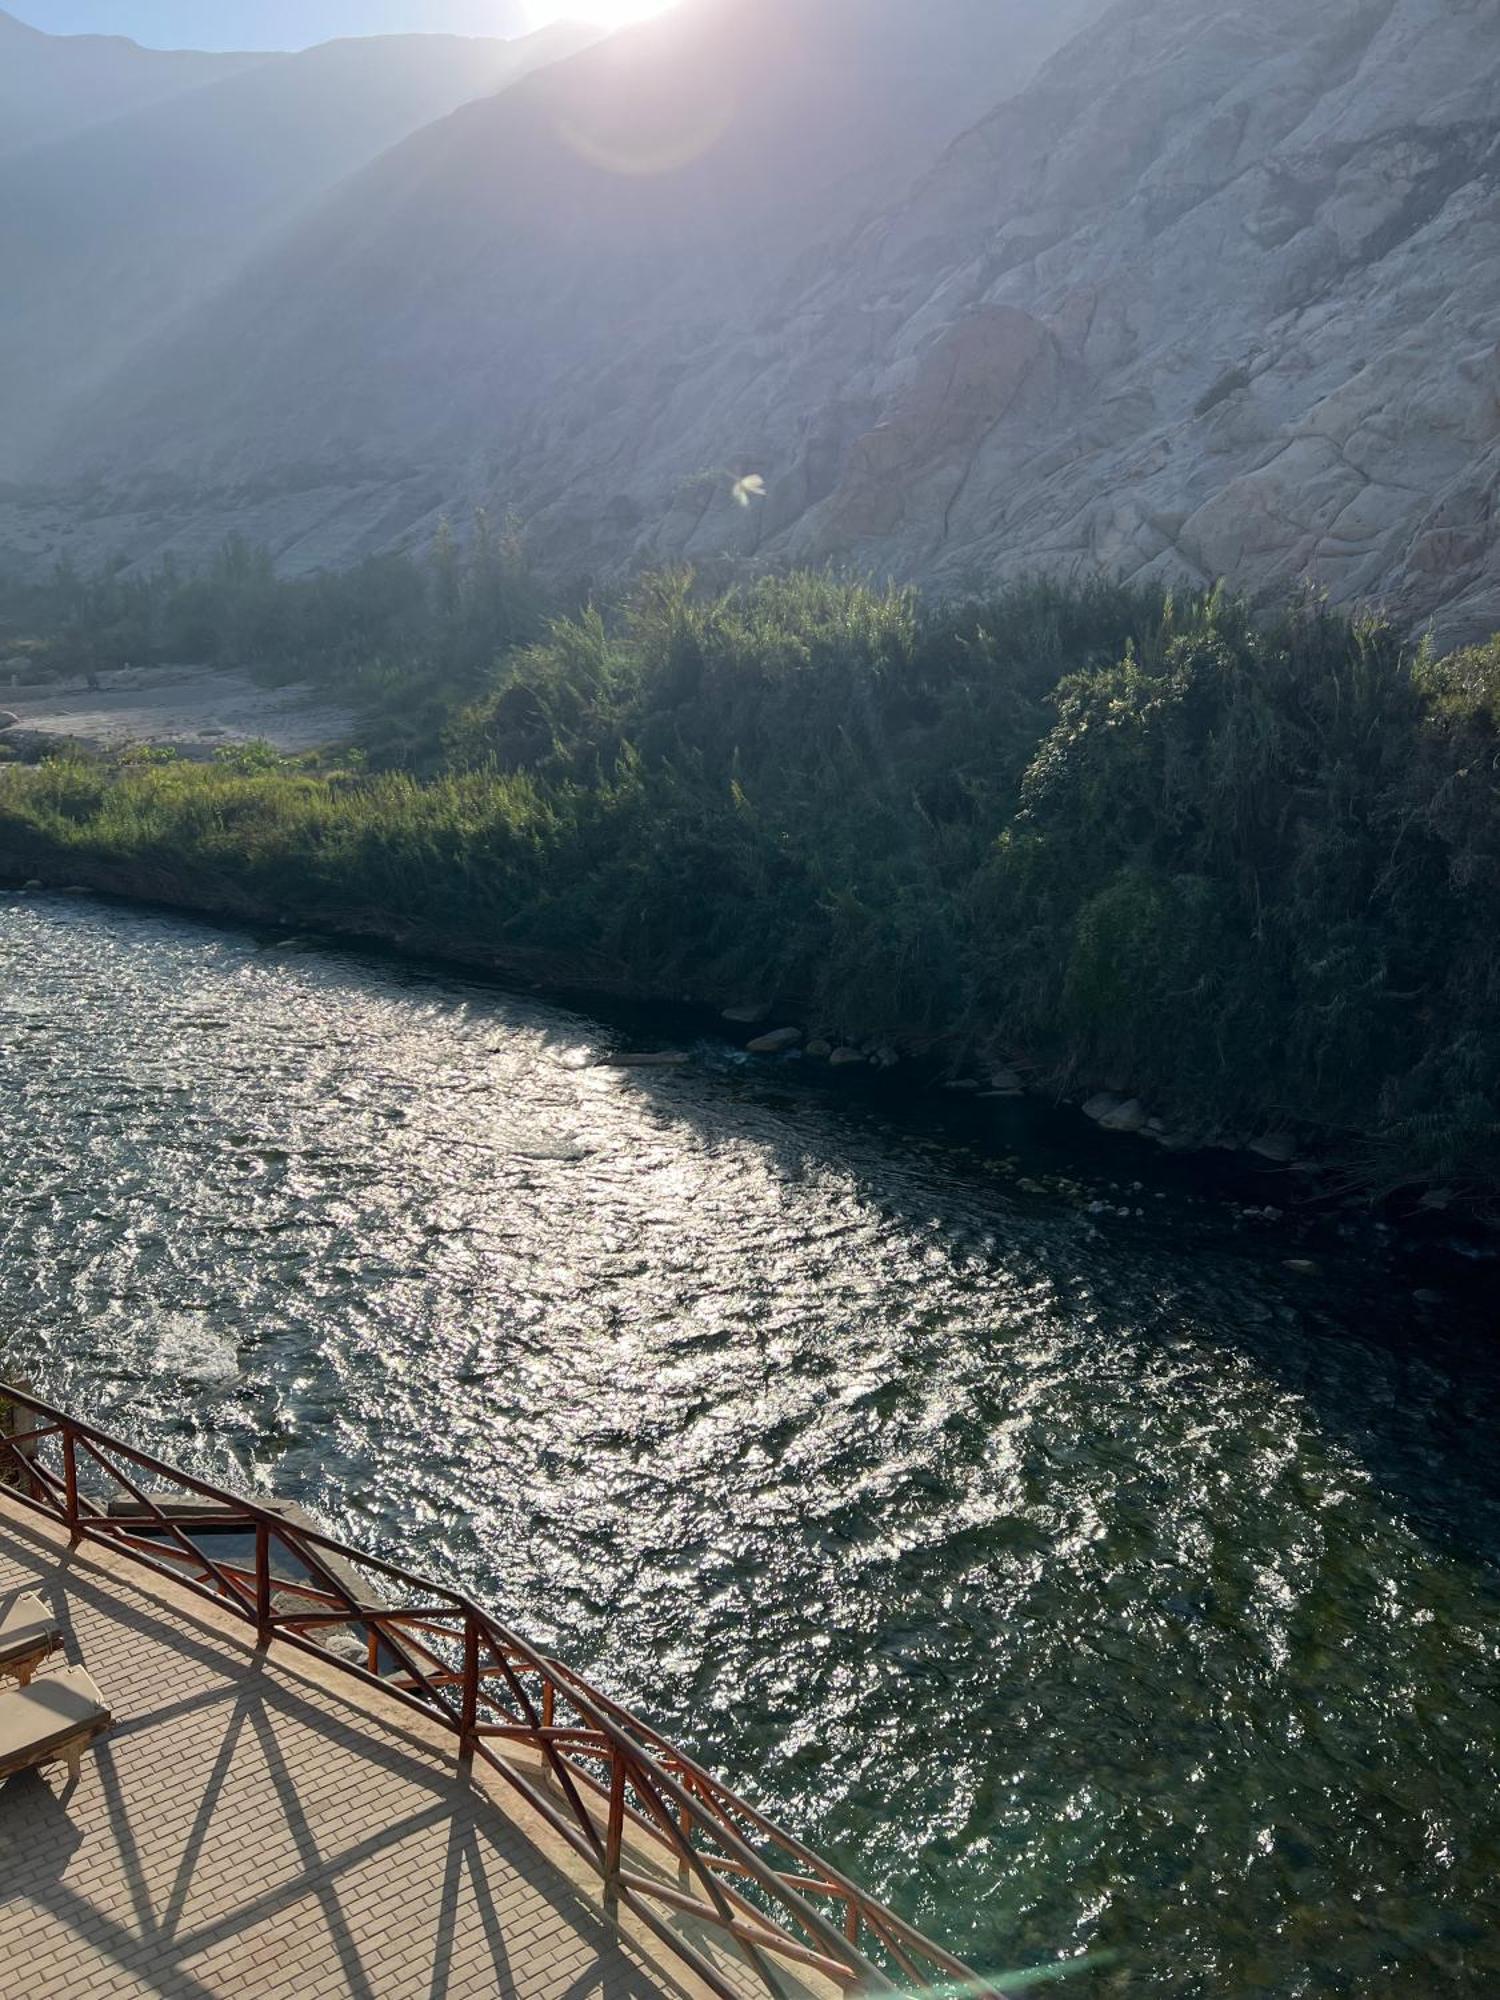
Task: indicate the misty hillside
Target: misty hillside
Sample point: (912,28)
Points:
(1215,292)
(107,235)
(548,263)
(54,85)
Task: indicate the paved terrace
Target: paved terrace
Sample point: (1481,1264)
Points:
(247,1829)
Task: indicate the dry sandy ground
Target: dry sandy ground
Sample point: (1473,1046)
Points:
(187,708)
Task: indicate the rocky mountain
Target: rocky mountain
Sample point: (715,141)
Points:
(550,265)
(1217,291)
(54,85)
(1218,296)
(108,235)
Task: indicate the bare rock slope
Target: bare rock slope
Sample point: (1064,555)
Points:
(1218,296)
(510,304)
(1216,293)
(108,236)
(51,85)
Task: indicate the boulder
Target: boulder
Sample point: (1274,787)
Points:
(1100,1105)
(8,718)
(967,1083)
(776,1043)
(1173,1142)
(1127,1117)
(845,1059)
(345,1643)
(1006,1079)
(820,1049)
(1277,1147)
(748,1016)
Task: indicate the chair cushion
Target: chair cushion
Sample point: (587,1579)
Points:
(27,1626)
(52,1711)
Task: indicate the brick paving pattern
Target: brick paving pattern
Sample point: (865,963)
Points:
(248,1830)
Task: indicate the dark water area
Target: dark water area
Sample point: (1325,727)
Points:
(998,1509)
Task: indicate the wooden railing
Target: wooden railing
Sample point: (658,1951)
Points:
(664,1834)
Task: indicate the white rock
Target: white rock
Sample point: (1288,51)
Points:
(1127,1117)
(776,1043)
(1278,1147)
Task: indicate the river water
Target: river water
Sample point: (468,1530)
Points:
(1015,1525)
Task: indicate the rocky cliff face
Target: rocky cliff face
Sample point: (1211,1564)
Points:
(1216,293)
(1219,296)
(503,307)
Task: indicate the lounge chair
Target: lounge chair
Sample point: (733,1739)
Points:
(29,1634)
(56,1716)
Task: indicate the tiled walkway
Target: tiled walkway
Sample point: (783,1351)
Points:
(247,1830)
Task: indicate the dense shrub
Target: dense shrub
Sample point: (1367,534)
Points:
(1250,867)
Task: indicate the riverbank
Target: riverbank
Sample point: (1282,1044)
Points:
(191,711)
(1308,1202)
(1229,882)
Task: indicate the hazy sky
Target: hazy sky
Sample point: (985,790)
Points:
(293,24)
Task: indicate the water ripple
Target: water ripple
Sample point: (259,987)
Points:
(1081,1589)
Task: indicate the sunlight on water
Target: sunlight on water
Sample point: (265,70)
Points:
(1081,1590)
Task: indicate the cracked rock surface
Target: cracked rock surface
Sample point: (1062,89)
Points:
(1216,293)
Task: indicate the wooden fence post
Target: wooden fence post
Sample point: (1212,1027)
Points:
(614,1841)
(470,1719)
(70,1480)
(263,1582)
(17,1473)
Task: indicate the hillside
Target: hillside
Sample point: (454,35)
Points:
(54,85)
(1214,292)
(109,235)
(1219,296)
(519,288)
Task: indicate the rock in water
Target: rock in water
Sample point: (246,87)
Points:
(776,1043)
(1277,1147)
(1130,1116)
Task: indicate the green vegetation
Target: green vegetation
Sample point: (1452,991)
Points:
(1250,868)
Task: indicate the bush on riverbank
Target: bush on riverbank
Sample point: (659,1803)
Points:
(1252,869)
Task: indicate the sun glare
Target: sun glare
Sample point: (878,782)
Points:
(601,13)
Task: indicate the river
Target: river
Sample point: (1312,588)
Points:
(1016,1525)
